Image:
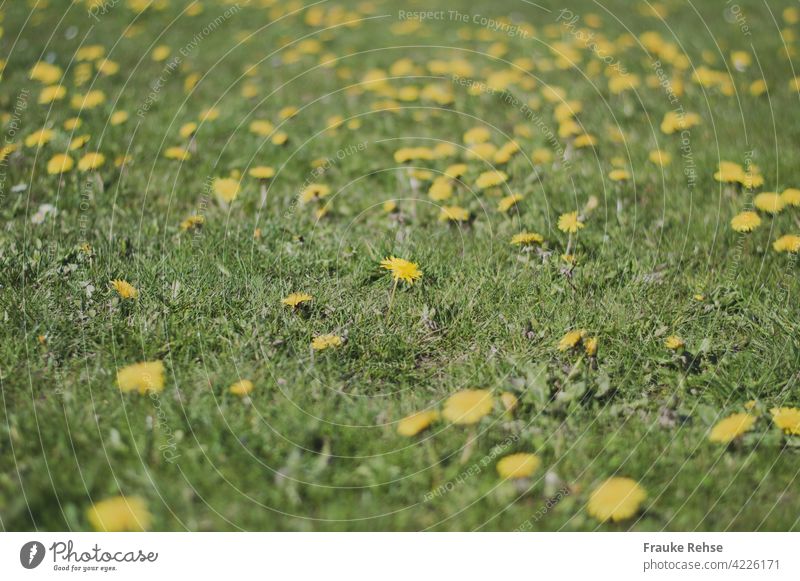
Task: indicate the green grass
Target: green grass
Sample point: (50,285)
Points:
(316,447)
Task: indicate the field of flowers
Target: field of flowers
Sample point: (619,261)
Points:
(385,265)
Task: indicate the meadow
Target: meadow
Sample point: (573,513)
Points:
(383,265)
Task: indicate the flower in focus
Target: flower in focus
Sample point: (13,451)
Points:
(570,222)
(142,377)
(787,419)
(125,289)
(745,221)
(120,514)
(402,269)
(616,499)
(415,423)
(323,342)
(518,465)
(295,300)
(468,406)
(727,430)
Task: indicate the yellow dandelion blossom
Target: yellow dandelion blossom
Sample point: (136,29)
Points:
(91,161)
(571,339)
(178,153)
(141,377)
(660,158)
(619,175)
(402,269)
(456,170)
(590,346)
(730,428)
(329,341)
(520,465)
(674,343)
(262,172)
(570,222)
(120,514)
(441,189)
(527,239)
(295,300)
(193,222)
(52,93)
(769,202)
(314,192)
(787,243)
(509,401)
(416,423)
(453,214)
(787,419)
(616,499)
(791,197)
(489,179)
(39,138)
(125,289)
(226,189)
(468,406)
(745,221)
(509,202)
(59,164)
(241,388)
(729,172)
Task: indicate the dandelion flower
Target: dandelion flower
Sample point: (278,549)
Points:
(295,300)
(769,202)
(616,499)
(509,401)
(226,189)
(527,239)
(619,175)
(314,192)
(241,388)
(262,172)
(518,465)
(570,222)
(416,423)
(453,214)
(125,289)
(787,243)
(402,269)
(322,342)
(660,158)
(120,514)
(509,202)
(456,170)
(674,343)
(178,153)
(141,377)
(39,138)
(468,406)
(59,164)
(441,189)
(91,161)
(571,340)
(590,346)
(787,419)
(727,430)
(192,222)
(489,179)
(745,221)
(791,197)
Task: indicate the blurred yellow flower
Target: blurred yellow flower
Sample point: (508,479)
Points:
(571,339)
(120,514)
(616,499)
(468,406)
(526,239)
(241,388)
(730,428)
(518,465)
(322,342)
(226,189)
(295,300)
(142,377)
(674,343)
(415,423)
(787,243)
(787,419)
(769,202)
(60,163)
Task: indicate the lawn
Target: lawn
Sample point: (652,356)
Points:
(218,156)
